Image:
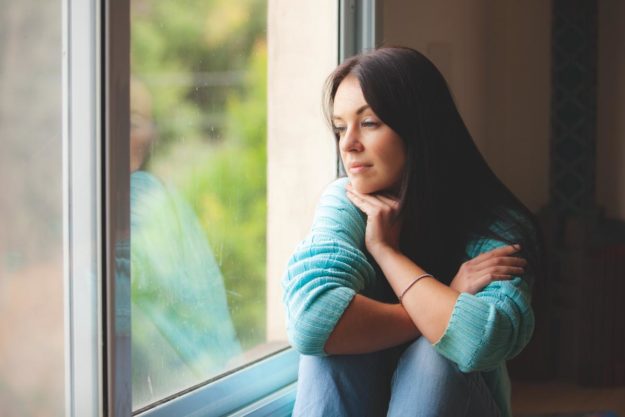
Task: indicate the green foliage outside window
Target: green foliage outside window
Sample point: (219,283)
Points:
(204,63)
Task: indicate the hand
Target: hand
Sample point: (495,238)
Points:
(497,264)
(383,223)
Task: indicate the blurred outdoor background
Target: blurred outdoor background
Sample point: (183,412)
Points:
(198,117)
(31,223)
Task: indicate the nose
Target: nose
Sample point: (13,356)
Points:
(350,142)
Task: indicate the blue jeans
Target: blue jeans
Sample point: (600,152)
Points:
(398,382)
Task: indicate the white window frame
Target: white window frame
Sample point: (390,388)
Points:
(82,203)
(360,26)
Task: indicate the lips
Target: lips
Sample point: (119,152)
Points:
(356,167)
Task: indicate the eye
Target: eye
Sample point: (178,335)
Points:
(369,124)
(339,130)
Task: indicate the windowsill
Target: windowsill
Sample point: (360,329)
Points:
(267,384)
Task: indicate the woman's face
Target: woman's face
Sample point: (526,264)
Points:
(373,154)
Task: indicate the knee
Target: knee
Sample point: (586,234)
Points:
(316,368)
(426,383)
(427,363)
(339,367)
(324,365)
(349,385)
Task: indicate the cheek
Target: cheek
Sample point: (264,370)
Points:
(394,157)
(343,155)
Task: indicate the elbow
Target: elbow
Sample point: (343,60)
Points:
(307,335)
(307,343)
(312,316)
(480,363)
(307,349)
(488,332)
(492,352)
(333,345)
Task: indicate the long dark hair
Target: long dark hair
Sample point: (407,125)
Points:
(448,195)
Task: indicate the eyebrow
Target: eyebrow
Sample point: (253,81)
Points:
(360,110)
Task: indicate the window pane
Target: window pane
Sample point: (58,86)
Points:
(198,191)
(31,261)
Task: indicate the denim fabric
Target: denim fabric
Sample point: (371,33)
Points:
(400,382)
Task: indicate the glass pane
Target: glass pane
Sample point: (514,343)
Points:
(198,191)
(31,241)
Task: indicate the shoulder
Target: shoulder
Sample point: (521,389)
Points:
(336,215)
(142,182)
(147,197)
(517,228)
(334,194)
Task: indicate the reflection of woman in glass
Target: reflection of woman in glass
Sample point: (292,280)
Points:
(420,219)
(182,333)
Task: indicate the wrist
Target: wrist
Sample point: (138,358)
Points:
(382,250)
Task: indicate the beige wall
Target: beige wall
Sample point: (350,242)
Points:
(611,108)
(496,58)
(302,43)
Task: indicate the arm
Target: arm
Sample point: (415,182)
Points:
(325,314)
(491,326)
(429,303)
(368,325)
(478,331)
(364,325)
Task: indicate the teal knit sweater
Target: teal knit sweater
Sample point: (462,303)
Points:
(330,266)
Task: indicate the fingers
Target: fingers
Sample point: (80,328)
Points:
(501,261)
(389,201)
(361,203)
(486,279)
(508,265)
(503,251)
(501,277)
(506,270)
(374,200)
(368,205)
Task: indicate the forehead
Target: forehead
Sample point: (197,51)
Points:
(348,98)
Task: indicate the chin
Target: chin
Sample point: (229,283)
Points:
(365,187)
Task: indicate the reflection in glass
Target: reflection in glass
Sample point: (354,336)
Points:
(181,327)
(198,205)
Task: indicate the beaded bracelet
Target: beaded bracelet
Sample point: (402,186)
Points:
(401,297)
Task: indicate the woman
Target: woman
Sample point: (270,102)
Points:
(420,219)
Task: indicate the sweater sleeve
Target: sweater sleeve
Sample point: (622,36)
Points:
(491,326)
(325,272)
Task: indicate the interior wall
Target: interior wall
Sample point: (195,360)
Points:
(452,34)
(301,153)
(495,56)
(611,109)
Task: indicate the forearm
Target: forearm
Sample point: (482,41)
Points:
(429,303)
(368,325)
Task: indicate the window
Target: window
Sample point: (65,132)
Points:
(153,192)
(198,105)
